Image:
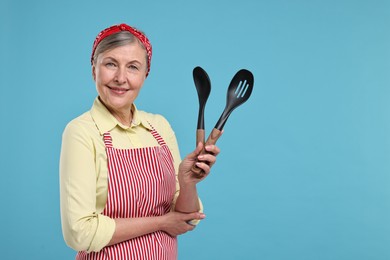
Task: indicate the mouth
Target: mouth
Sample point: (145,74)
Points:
(118,90)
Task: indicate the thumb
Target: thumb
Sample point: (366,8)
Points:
(195,215)
(195,218)
(196,152)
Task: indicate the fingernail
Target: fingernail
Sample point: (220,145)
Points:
(209,147)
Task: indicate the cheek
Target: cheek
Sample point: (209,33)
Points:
(140,81)
(100,81)
(102,77)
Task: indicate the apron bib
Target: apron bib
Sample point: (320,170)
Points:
(141,183)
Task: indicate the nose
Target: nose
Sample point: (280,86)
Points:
(120,76)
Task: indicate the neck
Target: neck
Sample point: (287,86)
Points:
(124,116)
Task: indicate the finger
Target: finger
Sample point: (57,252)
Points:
(209,159)
(195,215)
(199,148)
(193,218)
(213,149)
(205,167)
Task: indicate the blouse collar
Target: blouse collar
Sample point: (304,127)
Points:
(105,121)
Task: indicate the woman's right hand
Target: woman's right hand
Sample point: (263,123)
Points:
(176,223)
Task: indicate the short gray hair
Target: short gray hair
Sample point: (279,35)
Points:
(116,40)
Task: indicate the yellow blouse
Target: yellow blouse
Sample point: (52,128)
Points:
(83,170)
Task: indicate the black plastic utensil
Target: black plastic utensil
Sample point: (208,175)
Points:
(239,91)
(203,87)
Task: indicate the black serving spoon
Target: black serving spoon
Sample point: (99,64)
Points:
(203,87)
(239,91)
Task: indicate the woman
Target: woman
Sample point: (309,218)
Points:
(125,193)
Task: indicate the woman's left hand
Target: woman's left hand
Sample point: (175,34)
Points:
(203,161)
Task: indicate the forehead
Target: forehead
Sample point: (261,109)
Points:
(129,50)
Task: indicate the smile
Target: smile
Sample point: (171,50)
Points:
(118,90)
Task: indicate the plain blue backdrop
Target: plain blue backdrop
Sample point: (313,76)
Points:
(304,172)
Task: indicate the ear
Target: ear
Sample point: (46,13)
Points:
(93,72)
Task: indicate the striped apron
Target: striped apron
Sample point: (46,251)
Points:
(141,183)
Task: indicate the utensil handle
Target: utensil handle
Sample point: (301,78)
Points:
(199,136)
(213,137)
(211,140)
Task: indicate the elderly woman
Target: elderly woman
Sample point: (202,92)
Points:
(125,192)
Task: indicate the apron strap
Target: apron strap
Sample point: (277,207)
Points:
(156,135)
(107,139)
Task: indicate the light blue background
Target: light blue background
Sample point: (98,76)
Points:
(304,172)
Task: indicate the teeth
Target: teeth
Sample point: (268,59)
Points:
(118,89)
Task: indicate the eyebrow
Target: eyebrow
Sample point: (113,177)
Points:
(115,60)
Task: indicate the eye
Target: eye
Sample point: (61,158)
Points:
(133,67)
(110,65)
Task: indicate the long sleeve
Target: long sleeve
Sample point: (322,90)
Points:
(84,171)
(84,228)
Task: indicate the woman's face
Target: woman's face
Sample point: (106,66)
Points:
(119,75)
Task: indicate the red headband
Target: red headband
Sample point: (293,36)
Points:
(124,27)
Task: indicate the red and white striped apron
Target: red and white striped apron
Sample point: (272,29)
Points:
(141,183)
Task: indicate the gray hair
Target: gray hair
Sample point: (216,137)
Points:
(116,40)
